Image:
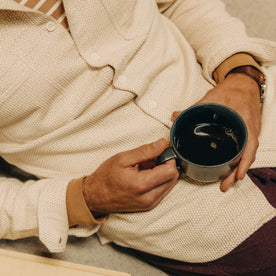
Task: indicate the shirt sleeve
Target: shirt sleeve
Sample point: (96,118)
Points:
(214,34)
(38,208)
(34,208)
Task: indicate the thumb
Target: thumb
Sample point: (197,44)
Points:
(145,152)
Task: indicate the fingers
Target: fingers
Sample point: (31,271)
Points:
(152,198)
(157,183)
(248,157)
(175,115)
(142,154)
(150,179)
(228,182)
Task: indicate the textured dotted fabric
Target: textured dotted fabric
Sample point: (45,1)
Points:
(69,101)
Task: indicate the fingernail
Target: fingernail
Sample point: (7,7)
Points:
(223,189)
(227,187)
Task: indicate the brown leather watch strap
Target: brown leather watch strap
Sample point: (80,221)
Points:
(254,73)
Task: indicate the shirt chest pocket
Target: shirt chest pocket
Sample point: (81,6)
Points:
(131,18)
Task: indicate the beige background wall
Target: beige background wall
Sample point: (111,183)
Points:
(259,16)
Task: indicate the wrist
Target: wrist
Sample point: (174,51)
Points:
(77,210)
(244,86)
(256,75)
(88,194)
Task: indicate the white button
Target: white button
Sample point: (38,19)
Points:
(122,79)
(51,26)
(94,58)
(152,104)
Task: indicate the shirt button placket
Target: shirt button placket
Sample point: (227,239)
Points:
(122,79)
(94,58)
(153,104)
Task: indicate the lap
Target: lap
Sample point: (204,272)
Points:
(195,223)
(255,256)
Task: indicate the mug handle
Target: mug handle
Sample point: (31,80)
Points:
(165,156)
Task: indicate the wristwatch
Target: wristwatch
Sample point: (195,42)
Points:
(255,74)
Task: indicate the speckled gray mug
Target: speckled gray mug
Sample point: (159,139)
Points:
(207,141)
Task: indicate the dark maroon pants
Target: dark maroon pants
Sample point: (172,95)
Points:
(255,256)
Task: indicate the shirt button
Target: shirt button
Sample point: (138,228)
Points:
(51,26)
(94,58)
(153,104)
(122,79)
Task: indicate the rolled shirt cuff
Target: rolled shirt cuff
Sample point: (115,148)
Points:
(234,61)
(77,209)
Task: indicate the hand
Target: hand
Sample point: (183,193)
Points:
(240,93)
(129,181)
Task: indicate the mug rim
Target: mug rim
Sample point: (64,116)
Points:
(215,105)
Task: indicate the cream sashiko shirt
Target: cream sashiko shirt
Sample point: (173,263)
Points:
(69,101)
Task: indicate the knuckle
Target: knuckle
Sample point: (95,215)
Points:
(118,158)
(143,184)
(172,171)
(144,150)
(149,202)
(138,188)
(254,144)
